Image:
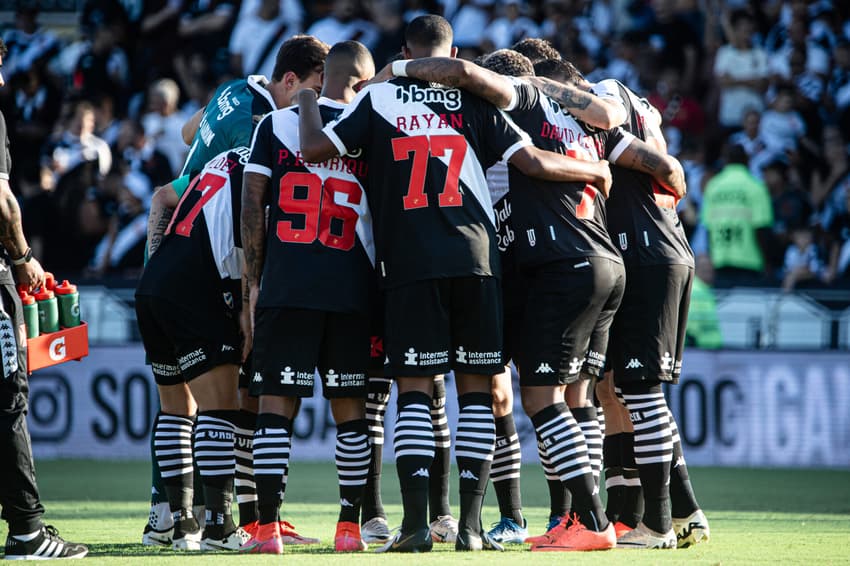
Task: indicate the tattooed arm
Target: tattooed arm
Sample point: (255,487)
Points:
(666,169)
(253,219)
(458,73)
(550,166)
(598,112)
(163,203)
(30,274)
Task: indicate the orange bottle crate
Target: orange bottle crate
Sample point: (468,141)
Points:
(58,347)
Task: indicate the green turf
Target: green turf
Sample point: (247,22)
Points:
(757,517)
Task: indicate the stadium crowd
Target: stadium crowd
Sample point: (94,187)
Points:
(94,119)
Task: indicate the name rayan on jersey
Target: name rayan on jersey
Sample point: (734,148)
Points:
(429,121)
(352,165)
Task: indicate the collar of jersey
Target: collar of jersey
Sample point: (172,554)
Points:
(258,83)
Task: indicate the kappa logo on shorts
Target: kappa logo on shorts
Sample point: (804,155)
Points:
(468,475)
(257,377)
(287,376)
(544,368)
(634,363)
(421,472)
(666,361)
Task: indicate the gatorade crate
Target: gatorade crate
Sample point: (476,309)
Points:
(58,347)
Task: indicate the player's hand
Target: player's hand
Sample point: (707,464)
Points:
(384,75)
(677,179)
(30,275)
(605,179)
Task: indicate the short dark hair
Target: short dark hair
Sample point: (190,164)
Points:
(302,55)
(739,16)
(536,49)
(558,70)
(735,153)
(349,57)
(428,31)
(3,49)
(509,63)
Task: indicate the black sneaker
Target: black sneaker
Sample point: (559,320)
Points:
(471,541)
(46,546)
(187,533)
(418,541)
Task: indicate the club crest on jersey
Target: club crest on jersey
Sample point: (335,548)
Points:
(228,299)
(448,97)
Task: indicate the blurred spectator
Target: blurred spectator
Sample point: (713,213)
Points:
(257,37)
(388,17)
(105,123)
(623,65)
(511,26)
(163,122)
(35,108)
(738,216)
(345,23)
(837,245)
(817,58)
(158,40)
(204,31)
(791,204)
(122,248)
(470,21)
(678,108)
(829,185)
(781,126)
(79,155)
(29,45)
(803,261)
(138,154)
(741,69)
(676,41)
(102,65)
(839,84)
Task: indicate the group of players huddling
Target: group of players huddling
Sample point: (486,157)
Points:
(441,216)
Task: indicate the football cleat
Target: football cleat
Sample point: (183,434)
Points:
(187,533)
(573,536)
(507,531)
(375,529)
(160,527)
(419,541)
(233,541)
(47,545)
(644,537)
(444,529)
(265,539)
(621,528)
(691,530)
(289,536)
(467,541)
(347,538)
(554,522)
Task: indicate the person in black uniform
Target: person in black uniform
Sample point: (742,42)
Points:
(319,227)
(28,538)
(437,258)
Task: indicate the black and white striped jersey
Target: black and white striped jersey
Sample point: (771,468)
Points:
(642,217)
(319,250)
(428,147)
(202,243)
(559,220)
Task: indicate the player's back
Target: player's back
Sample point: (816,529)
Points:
(228,120)
(642,217)
(201,249)
(428,147)
(319,249)
(555,220)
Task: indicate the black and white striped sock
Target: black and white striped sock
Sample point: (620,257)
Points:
(173,449)
(376,407)
(565,447)
(271,464)
(653,449)
(474,444)
(559,496)
(414,453)
(682,498)
(441,469)
(246,489)
(353,454)
(588,421)
(507,460)
(214,451)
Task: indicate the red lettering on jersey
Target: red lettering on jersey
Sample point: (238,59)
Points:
(443,122)
(428,118)
(414,123)
(400,123)
(457,121)
(282,155)
(545,129)
(299,161)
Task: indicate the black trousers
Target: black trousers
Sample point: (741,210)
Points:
(21,507)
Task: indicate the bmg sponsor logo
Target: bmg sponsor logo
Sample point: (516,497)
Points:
(50,406)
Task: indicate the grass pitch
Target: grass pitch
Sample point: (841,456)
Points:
(756,516)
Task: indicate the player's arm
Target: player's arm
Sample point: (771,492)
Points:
(163,203)
(458,73)
(550,166)
(316,146)
(599,112)
(29,274)
(191,126)
(665,169)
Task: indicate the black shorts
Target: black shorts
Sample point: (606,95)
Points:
(291,344)
(570,307)
(245,372)
(514,298)
(377,355)
(648,334)
(184,341)
(436,325)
